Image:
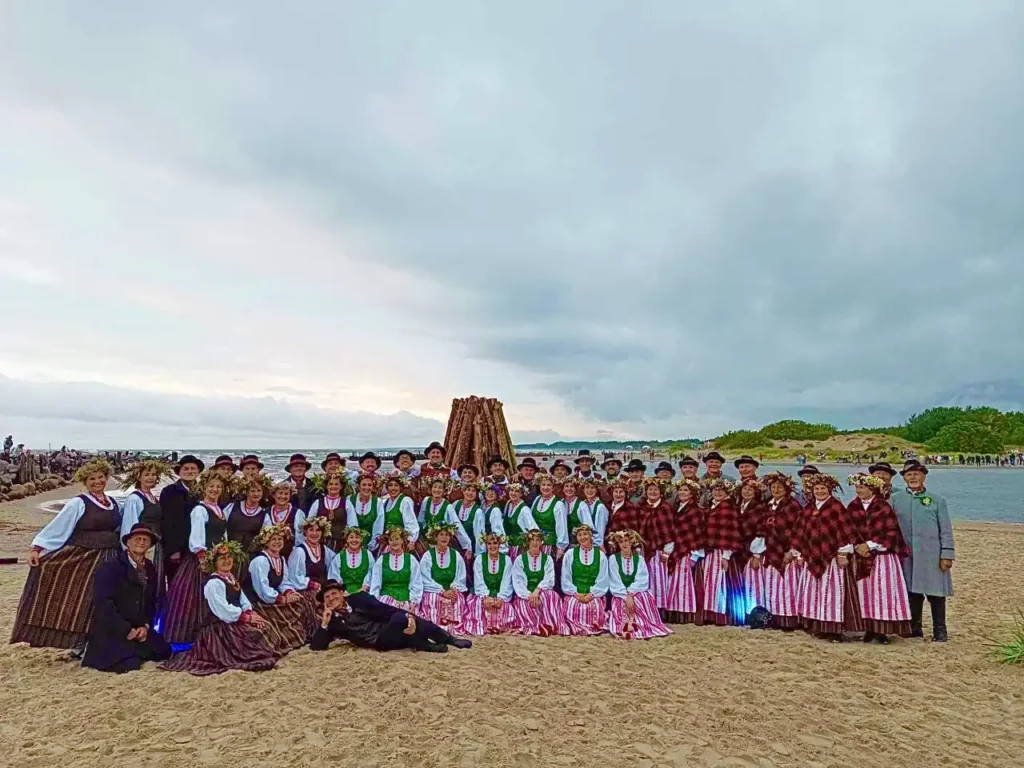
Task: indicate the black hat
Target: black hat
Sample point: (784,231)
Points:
(612,460)
(297,458)
(333,455)
(689,461)
(714,455)
(434,445)
(474,467)
(529,461)
(884,466)
(583,455)
(250,458)
(497,460)
(808,469)
(664,465)
(328,586)
(744,459)
(635,465)
(188,458)
(370,455)
(913,465)
(559,463)
(225,461)
(402,452)
(140,528)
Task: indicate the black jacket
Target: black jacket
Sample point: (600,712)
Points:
(176,503)
(304,497)
(361,626)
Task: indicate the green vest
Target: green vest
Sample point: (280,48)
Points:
(365,522)
(443,576)
(511,521)
(395,584)
(493,580)
(533,578)
(352,578)
(574,515)
(546,519)
(429,518)
(584,577)
(627,579)
(467,523)
(393,516)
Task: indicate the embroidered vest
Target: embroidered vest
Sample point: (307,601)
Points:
(365,522)
(584,577)
(466,518)
(627,578)
(512,527)
(97,528)
(242,527)
(216,527)
(430,518)
(395,584)
(443,576)
(316,570)
(574,515)
(393,514)
(533,578)
(546,519)
(487,518)
(493,580)
(352,577)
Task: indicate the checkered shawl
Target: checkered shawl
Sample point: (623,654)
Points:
(750,523)
(822,532)
(690,535)
(880,525)
(777,527)
(722,527)
(625,518)
(658,525)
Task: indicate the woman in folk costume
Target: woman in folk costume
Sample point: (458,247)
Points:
(624,515)
(550,514)
(232,633)
(398,507)
(781,573)
(395,578)
(142,506)
(363,508)
(443,574)
(437,510)
(518,518)
(584,585)
(471,519)
(56,605)
(591,489)
(184,609)
(284,512)
(290,619)
(723,602)
(490,606)
(884,603)
(494,512)
(634,612)
(331,507)
(353,565)
(824,540)
(247,516)
(577,511)
(310,561)
(749,494)
(537,606)
(686,581)
(658,534)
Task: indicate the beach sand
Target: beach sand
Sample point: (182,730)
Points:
(704,697)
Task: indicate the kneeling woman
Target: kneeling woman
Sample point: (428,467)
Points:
(536,604)
(290,619)
(490,607)
(584,585)
(232,633)
(444,582)
(634,612)
(395,579)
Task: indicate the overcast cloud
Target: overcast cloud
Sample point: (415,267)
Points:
(642,220)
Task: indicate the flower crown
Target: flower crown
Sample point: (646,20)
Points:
(131,477)
(266,534)
(233,549)
(487,538)
(397,477)
(319,482)
(448,528)
(317,522)
(363,534)
(778,477)
(91,467)
(859,478)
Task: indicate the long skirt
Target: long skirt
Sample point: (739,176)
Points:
(289,625)
(483,621)
(56,604)
(405,606)
(828,605)
(449,615)
(547,619)
(585,618)
(644,624)
(883,598)
(185,606)
(681,592)
(753,586)
(782,593)
(659,576)
(724,591)
(221,647)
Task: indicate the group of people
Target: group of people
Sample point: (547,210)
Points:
(228,569)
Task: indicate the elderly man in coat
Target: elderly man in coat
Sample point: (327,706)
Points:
(122,634)
(924,521)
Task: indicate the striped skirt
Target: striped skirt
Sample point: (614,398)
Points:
(724,591)
(481,621)
(883,598)
(408,607)
(56,604)
(829,605)
(753,585)
(659,576)
(289,625)
(449,615)
(681,593)
(643,625)
(547,619)
(221,647)
(782,593)
(585,618)
(185,606)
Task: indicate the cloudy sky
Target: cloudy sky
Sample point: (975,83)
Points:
(228,223)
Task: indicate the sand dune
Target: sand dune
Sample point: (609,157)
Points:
(705,697)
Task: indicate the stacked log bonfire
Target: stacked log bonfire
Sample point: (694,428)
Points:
(477,432)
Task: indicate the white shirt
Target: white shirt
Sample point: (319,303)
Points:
(216,595)
(561,518)
(640,584)
(600,588)
(197,533)
(519,582)
(355,505)
(408,515)
(259,573)
(415,578)
(55,534)
(298,580)
(443,560)
(480,586)
(353,561)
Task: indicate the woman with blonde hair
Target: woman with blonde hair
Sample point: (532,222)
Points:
(290,619)
(247,516)
(354,564)
(395,578)
(584,585)
(443,574)
(634,611)
(142,506)
(537,606)
(489,608)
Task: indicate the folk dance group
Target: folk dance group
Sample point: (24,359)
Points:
(235,570)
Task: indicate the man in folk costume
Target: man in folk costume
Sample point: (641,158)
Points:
(636,470)
(527,470)
(489,608)
(227,468)
(687,581)
(369,464)
(634,611)
(723,582)
(664,471)
(584,585)
(928,532)
(364,509)
(688,466)
(176,502)
(713,462)
(782,573)
(468,473)
(250,466)
(398,507)
(498,468)
(559,471)
(304,493)
(443,574)
(803,494)
(585,466)
(537,606)
(612,471)
(354,563)
(878,565)
(433,467)
(883,471)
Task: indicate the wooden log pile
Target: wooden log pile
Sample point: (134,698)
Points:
(477,432)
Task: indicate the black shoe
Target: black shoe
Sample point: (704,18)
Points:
(918,633)
(434,648)
(940,636)
(882,639)
(869,636)
(458,642)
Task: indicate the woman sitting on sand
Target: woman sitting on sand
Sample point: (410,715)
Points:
(584,585)
(290,619)
(471,519)
(309,561)
(56,604)
(437,510)
(209,526)
(723,582)
(537,606)
(596,509)
(518,519)
(354,564)
(284,512)
(489,608)
(395,579)
(634,612)
(781,572)
(231,636)
(363,508)
(331,507)
(686,581)
(247,516)
(443,573)
(749,494)
(550,514)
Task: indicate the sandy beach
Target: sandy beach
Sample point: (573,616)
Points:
(704,697)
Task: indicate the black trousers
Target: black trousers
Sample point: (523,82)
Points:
(935,602)
(393,638)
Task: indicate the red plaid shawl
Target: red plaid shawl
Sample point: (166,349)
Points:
(723,527)
(750,524)
(880,525)
(625,518)
(690,534)
(777,527)
(822,532)
(659,525)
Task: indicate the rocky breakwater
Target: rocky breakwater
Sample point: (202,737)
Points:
(25,478)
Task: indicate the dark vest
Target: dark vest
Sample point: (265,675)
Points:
(316,571)
(98,528)
(216,529)
(150,516)
(242,527)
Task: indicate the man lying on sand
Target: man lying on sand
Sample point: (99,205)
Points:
(366,622)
